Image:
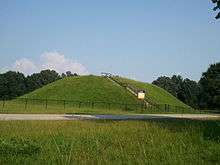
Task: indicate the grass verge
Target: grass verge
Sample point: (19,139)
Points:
(110,142)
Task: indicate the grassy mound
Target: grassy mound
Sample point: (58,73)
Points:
(84,88)
(154,93)
(96,95)
(96,88)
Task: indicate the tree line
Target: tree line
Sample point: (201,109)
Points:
(14,84)
(204,94)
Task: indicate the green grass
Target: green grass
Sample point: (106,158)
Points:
(106,142)
(154,93)
(84,88)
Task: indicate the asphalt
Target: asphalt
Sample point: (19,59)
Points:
(108,117)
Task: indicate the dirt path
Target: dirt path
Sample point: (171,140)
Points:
(107,117)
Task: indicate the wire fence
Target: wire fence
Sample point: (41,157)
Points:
(28,104)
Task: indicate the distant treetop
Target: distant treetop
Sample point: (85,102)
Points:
(217,7)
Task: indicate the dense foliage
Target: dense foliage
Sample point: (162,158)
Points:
(68,74)
(184,89)
(38,80)
(210,85)
(217,7)
(204,94)
(13,84)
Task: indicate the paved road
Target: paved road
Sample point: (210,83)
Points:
(107,117)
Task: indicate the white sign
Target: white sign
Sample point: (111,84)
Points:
(141,95)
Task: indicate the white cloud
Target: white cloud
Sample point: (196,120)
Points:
(50,60)
(25,65)
(58,62)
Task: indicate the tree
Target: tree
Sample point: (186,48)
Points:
(63,75)
(210,86)
(33,82)
(189,92)
(177,80)
(12,84)
(217,7)
(166,83)
(69,74)
(186,90)
(49,76)
(38,80)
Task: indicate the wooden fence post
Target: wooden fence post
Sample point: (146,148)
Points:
(46,104)
(26,101)
(93,105)
(3,104)
(64,104)
(142,107)
(80,104)
(126,106)
(109,106)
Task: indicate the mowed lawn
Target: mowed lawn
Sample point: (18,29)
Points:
(110,142)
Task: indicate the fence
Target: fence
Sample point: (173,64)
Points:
(28,104)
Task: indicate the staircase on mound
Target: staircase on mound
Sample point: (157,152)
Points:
(133,90)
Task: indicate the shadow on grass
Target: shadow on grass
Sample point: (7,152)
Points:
(209,129)
(212,131)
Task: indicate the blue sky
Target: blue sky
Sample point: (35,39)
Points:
(139,39)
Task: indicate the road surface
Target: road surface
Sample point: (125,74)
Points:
(108,117)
